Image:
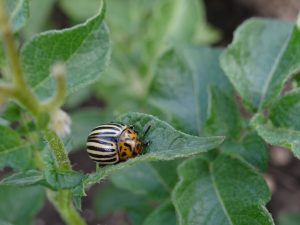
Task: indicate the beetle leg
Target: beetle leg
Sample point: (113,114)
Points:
(147,143)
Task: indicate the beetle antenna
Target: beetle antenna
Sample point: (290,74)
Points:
(147,130)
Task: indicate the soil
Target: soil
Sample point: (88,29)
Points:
(283,174)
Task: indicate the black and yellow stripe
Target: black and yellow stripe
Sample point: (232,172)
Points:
(101,143)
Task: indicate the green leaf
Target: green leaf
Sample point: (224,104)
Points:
(166,144)
(83,121)
(288,218)
(60,179)
(180,87)
(18,206)
(285,111)
(63,179)
(26,178)
(84,49)
(160,179)
(223,114)
(251,148)
(14,152)
(18,13)
(262,56)
(283,137)
(164,214)
(223,191)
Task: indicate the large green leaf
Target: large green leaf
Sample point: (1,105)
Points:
(164,214)
(14,152)
(84,49)
(18,13)
(180,87)
(166,144)
(223,191)
(18,206)
(260,59)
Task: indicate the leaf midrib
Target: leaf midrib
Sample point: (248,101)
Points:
(211,172)
(272,72)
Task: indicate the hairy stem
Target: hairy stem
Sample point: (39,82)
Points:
(57,147)
(63,203)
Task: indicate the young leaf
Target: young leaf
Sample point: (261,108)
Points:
(260,59)
(18,11)
(14,152)
(284,137)
(18,206)
(252,149)
(84,49)
(285,111)
(166,144)
(164,214)
(220,192)
(181,83)
(26,178)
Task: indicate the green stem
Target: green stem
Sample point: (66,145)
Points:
(24,95)
(10,46)
(57,147)
(63,203)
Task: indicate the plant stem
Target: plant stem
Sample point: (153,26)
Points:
(57,147)
(63,203)
(11,49)
(21,92)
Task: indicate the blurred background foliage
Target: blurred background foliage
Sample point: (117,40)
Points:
(146,36)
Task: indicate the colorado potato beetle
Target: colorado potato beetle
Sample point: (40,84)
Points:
(112,143)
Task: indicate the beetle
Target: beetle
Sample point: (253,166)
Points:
(112,143)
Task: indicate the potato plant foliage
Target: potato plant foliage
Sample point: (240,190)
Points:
(152,65)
